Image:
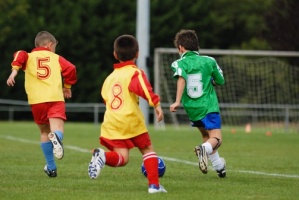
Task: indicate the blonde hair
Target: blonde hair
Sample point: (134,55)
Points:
(43,38)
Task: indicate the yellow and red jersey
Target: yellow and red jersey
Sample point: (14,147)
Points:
(45,72)
(121,90)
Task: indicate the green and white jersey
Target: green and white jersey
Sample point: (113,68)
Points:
(199,96)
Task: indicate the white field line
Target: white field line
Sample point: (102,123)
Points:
(75,148)
(239,171)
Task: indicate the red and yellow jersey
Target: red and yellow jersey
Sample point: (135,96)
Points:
(45,72)
(121,90)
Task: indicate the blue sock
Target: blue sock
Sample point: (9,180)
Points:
(59,135)
(47,149)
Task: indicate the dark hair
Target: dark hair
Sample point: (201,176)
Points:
(44,37)
(126,47)
(188,39)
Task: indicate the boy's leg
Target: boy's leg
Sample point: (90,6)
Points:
(201,151)
(47,149)
(218,163)
(150,160)
(97,163)
(212,140)
(56,136)
(56,115)
(50,167)
(118,157)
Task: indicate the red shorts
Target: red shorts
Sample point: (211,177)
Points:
(140,141)
(43,111)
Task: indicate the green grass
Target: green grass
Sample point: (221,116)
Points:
(258,166)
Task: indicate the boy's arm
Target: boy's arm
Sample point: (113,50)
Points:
(179,93)
(68,71)
(19,62)
(67,92)
(141,86)
(218,78)
(159,113)
(11,79)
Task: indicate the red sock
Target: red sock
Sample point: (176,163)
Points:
(114,159)
(151,166)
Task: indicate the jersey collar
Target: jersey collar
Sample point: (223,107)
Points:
(122,64)
(41,49)
(189,53)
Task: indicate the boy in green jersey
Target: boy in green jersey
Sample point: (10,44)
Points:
(196,77)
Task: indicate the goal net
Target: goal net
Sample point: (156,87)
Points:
(261,89)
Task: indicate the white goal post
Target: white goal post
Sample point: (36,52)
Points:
(261,89)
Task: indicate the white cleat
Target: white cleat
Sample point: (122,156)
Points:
(97,162)
(58,150)
(201,153)
(154,189)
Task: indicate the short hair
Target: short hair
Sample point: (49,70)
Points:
(43,38)
(126,47)
(187,39)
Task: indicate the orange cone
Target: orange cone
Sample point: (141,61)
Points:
(248,128)
(268,133)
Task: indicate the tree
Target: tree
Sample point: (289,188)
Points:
(283,25)
(86,30)
(220,24)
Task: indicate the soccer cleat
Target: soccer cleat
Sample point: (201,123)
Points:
(57,145)
(50,173)
(201,153)
(222,172)
(156,189)
(97,162)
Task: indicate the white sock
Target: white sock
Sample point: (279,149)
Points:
(208,147)
(216,161)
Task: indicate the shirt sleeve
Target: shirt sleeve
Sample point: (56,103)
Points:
(20,59)
(141,86)
(68,71)
(178,70)
(218,75)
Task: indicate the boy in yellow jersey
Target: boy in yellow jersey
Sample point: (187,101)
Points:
(46,92)
(124,127)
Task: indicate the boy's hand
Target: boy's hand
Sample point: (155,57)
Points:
(67,93)
(173,107)
(159,113)
(11,79)
(213,82)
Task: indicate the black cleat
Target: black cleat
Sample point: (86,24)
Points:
(50,173)
(222,173)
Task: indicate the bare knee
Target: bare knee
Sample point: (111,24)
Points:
(126,161)
(218,144)
(124,153)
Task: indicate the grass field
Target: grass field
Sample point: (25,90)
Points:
(258,166)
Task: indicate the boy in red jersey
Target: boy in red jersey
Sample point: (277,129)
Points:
(124,127)
(46,92)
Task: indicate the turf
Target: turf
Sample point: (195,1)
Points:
(258,166)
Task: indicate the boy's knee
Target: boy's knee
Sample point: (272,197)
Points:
(219,142)
(126,161)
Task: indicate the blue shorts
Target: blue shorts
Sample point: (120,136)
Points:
(209,122)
